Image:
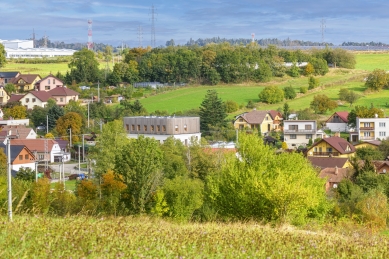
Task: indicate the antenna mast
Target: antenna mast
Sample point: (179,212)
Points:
(252,37)
(90,40)
(152,26)
(140,36)
(45,41)
(323,29)
(33,38)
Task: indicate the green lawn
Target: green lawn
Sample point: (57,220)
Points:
(69,185)
(373,60)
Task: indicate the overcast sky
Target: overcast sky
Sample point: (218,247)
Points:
(115,21)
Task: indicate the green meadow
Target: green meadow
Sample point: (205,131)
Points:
(372,60)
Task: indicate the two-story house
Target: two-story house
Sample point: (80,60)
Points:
(259,120)
(25,82)
(62,95)
(21,156)
(38,147)
(161,128)
(338,122)
(31,99)
(368,129)
(48,83)
(7,77)
(277,120)
(4,97)
(332,147)
(17,131)
(299,132)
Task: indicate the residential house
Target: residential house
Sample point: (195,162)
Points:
(160,128)
(371,144)
(299,132)
(7,77)
(381,167)
(4,97)
(63,95)
(90,139)
(368,129)
(18,131)
(48,83)
(259,120)
(334,176)
(277,120)
(338,122)
(21,156)
(332,147)
(25,82)
(34,98)
(113,98)
(37,146)
(332,162)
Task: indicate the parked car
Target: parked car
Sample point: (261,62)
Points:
(40,128)
(77,177)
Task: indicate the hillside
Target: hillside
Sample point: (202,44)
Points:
(142,237)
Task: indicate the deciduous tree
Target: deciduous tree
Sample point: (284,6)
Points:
(70,120)
(3,54)
(377,80)
(321,103)
(271,94)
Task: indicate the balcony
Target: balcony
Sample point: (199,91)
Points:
(367,128)
(366,138)
(288,131)
(326,154)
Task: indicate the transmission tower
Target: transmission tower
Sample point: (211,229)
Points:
(90,40)
(140,36)
(152,26)
(323,29)
(45,41)
(33,38)
(252,37)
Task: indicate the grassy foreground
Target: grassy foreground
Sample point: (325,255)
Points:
(142,237)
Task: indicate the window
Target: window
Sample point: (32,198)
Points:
(47,87)
(27,100)
(26,157)
(61,99)
(293,136)
(293,127)
(382,124)
(308,136)
(176,128)
(41,157)
(163,128)
(366,134)
(152,127)
(240,120)
(48,81)
(158,128)
(185,127)
(127,127)
(33,100)
(382,134)
(132,127)
(138,128)
(145,127)
(53,81)
(20,157)
(308,127)
(366,124)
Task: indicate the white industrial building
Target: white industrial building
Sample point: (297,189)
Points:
(25,49)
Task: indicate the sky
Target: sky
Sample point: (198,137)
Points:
(117,21)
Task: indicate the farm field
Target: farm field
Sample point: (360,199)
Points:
(372,60)
(144,237)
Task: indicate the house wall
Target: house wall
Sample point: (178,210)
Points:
(4,97)
(63,100)
(300,132)
(161,125)
(49,83)
(267,124)
(241,123)
(22,85)
(25,122)
(185,138)
(30,100)
(324,147)
(23,159)
(365,144)
(335,127)
(372,128)
(27,165)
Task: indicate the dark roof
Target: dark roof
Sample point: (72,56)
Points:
(254,117)
(334,175)
(15,97)
(324,162)
(29,78)
(8,74)
(340,144)
(274,113)
(15,150)
(41,95)
(62,143)
(62,91)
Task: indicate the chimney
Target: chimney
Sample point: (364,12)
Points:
(336,170)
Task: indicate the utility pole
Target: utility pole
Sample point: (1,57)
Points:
(98,91)
(47,124)
(83,148)
(79,164)
(88,114)
(70,137)
(9,177)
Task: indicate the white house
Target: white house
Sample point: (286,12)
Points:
(38,147)
(299,132)
(31,99)
(368,129)
(338,122)
(161,128)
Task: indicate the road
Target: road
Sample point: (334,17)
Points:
(69,169)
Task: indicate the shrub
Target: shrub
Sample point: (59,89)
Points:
(271,94)
(313,82)
(231,106)
(303,90)
(289,92)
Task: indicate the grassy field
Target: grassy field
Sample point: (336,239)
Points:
(372,60)
(70,185)
(142,237)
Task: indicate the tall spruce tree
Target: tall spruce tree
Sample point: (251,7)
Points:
(212,112)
